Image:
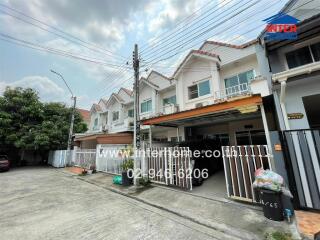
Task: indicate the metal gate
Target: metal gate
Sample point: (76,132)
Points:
(240,164)
(302,154)
(110,157)
(170,166)
(84,158)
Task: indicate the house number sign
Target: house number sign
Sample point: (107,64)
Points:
(292,116)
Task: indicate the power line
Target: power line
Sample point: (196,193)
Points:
(34,46)
(259,26)
(118,78)
(164,34)
(200,18)
(56,29)
(205,30)
(252,28)
(222,31)
(63,32)
(246,31)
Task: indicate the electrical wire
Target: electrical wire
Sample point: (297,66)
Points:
(108,52)
(16,41)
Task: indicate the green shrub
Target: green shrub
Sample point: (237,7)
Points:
(127,164)
(278,236)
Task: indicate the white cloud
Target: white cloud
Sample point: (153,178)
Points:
(47,89)
(167,13)
(101,22)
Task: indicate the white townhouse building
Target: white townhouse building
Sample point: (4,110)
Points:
(157,97)
(111,121)
(227,78)
(223,98)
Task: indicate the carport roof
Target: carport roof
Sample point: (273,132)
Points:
(104,138)
(214,111)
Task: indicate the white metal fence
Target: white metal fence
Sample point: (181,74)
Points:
(170,166)
(240,164)
(59,158)
(85,158)
(79,157)
(110,157)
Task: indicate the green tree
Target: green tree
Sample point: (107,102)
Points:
(28,124)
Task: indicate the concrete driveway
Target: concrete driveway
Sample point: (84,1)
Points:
(43,203)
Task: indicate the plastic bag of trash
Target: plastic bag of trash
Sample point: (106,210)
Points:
(268,179)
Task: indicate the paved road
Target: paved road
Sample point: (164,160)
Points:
(43,203)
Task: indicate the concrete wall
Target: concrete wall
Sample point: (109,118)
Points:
(146,93)
(293,101)
(197,71)
(228,54)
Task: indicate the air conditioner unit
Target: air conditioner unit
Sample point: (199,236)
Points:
(198,105)
(202,104)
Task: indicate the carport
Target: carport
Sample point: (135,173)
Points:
(240,121)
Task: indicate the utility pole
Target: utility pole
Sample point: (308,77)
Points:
(136,138)
(72,122)
(73,109)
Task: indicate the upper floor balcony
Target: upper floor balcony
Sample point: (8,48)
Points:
(169,109)
(126,125)
(235,91)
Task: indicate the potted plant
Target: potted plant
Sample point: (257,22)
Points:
(92,169)
(127,167)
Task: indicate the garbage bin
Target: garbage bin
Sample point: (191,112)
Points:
(272,205)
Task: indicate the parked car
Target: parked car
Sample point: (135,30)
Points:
(4,163)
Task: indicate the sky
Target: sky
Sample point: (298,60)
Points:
(104,33)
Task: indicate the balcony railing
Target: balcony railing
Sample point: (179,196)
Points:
(169,108)
(234,91)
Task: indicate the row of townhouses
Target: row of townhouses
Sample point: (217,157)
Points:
(260,93)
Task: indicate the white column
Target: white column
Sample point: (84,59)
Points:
(266,130)
(179,92)
(215,79)
(153,99)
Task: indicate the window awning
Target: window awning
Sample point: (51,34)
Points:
(237,106)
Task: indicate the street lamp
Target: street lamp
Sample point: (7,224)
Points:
(73,109)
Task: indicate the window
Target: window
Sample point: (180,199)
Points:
(315,48)
(169,100)
(115,116)
(198,90)
(95,125)
(146,106)
(242,78)
(252,137)
(312,110)
(193,92)
(299,57)
(130,113)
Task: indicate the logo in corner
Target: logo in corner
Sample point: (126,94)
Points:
(281,27)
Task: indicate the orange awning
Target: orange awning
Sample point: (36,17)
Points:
(206,110)
(116,138)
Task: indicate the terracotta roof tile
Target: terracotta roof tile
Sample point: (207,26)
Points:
(85,114)
(247,44)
